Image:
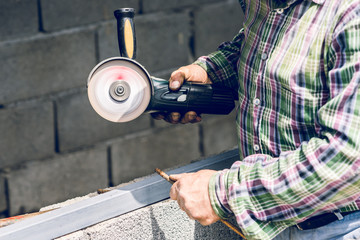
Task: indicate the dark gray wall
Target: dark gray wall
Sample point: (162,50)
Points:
(53,146)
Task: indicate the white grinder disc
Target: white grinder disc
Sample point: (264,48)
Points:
(119,90)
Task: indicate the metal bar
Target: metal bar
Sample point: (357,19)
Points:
(108,205)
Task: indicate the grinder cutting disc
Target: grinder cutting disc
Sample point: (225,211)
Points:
(119,89)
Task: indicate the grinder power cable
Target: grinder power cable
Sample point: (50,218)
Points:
(120,89)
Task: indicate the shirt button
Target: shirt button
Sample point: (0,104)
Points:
(256,101)
(264,56)
(256,147)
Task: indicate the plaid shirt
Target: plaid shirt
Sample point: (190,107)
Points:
(296,66)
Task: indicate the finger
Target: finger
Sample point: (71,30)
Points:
(174,192)
(191,117)
(157,115)
(174,117)
(175,177)
(176,80)
(180,202)
(188,213)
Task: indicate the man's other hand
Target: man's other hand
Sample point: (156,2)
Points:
(191,191)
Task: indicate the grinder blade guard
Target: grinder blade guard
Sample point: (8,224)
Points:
(120,89)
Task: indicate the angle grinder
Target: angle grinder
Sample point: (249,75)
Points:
(120,89)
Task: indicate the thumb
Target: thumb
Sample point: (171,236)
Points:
(176,80)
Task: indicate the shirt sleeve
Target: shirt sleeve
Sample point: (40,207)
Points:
(221,65)
(268,194)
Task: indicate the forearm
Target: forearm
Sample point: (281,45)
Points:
(221,66)
(283,191)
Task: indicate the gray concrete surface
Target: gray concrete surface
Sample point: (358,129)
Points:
(164,220)
(150,152)
(79,125)
(45,64)
(18,18)
(78,174)
(71,13)
(19,126)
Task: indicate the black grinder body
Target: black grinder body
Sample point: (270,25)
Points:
(201,98)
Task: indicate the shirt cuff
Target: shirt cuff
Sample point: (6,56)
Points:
(203,62)
(217,68)
(218,195)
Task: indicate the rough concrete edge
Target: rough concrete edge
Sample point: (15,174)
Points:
(155,221)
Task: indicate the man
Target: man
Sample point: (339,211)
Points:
(296,66)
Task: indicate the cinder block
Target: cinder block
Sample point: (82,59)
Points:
(162,40)
(18,19)
(79,125)
(45,64)
(215,24)
(219,133)
(3,201)
(159,5)
(70,13)
(108,43)
(162,148)
(163,220)
(27,133)
(47,182)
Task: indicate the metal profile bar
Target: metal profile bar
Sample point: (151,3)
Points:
(117,202)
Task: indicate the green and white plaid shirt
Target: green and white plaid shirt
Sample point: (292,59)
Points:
(296,66)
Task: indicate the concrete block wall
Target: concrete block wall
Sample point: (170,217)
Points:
(53,146)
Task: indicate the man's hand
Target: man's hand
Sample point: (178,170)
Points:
(191,73)
(191,190)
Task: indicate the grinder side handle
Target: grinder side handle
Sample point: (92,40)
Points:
(201,98)
(126,32)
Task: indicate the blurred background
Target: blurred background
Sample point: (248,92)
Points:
(53,146)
